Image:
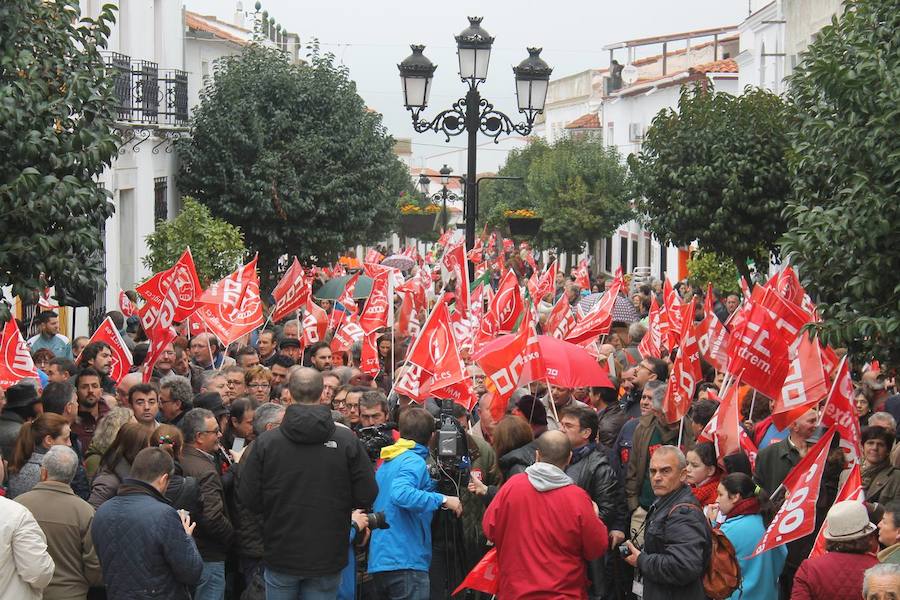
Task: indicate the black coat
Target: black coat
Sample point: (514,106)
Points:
(610,422)
(677,546)
(595,475)
(248,525)
(143,548)
(306,477)
(516,461)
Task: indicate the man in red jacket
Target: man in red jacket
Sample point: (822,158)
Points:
(545,528)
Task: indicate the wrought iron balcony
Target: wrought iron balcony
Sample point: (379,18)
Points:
(145,95)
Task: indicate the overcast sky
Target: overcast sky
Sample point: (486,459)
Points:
(372,36)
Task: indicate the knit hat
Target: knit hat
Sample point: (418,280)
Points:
(846,521)
(532,409)
(21,395)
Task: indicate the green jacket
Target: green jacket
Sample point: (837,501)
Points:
(881,483)
(774,462)
(891,554)
(639,460)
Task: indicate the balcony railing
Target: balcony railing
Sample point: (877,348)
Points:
(146,95)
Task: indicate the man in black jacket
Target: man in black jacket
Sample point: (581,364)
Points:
(306,477)
(677,539)
(591,470)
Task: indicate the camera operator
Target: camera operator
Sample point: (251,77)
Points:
(375,432)
(399,557)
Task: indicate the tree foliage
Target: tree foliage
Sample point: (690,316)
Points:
(56,118)
(715,171)
(290,154)
(217,246)
(708,267)
(845,172)
(577,185)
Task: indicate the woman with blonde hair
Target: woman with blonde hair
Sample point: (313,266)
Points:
(259,383)
(104,435)
(35,438)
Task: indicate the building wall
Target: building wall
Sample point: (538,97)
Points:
(761,62)
(804,18)
(200,55)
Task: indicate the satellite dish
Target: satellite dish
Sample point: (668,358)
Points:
(629,74)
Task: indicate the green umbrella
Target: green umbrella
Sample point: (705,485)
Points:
(333,288)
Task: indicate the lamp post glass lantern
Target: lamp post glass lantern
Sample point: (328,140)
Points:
(473,114)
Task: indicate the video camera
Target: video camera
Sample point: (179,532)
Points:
(375,438)
(452,460)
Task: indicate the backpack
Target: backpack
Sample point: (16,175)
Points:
(723,571)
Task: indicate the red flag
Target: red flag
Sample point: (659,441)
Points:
(433,361)
(15,363)
(505,310)
(547,282)
(346,298)
(121,355)
(561,320)
(672,307)
(175,292)
(852,490)
(476,254)
(231,307)
(840,413)
(348,333)
(454,261)
(160,336)
(374,256)
(759,353)
(789,318)
(375,313)
(797,516)
(45,302)
(315,323)
(804,386)
(291,292)
(582,275)
(686,373)
(651,343)
(712,337)
(597,321)
(126,305)
(724,429)
(788,285)
(512,364)
(484,577)
(406,316)
(369,363)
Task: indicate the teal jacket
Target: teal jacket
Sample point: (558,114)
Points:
(407,497)
(759,574)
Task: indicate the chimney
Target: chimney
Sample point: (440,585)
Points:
(239,13)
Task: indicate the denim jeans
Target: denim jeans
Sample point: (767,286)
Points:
(281,586)
(402,585)
(212,582)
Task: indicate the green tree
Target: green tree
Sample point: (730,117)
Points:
(708,267)
(498,196)
(582,191)
(715,171)
(56,118)
(217,246)
(291,155)
(845,170)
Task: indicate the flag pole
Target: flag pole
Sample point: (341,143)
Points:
(551,402)
(415,343)
(752,404)
(391,324)
(680,431)
(831,391)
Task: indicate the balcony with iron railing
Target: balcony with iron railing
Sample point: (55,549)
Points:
(147,96)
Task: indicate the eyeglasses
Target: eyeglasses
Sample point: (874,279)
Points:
(235,382)
(216,430)
(258,386)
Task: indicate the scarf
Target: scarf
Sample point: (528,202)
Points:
(747,506)
(708,491)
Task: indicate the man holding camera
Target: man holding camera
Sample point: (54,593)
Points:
(399,557)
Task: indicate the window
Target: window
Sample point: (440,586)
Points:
(623,253)
(160,199)
(662,260)
(609,248)
(610,134)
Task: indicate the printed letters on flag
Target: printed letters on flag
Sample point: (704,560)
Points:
(582,275)
(841,414)
(315,323)
(346,298)
(852,490)
(16,360)
(369,363)
(797,516)
(804,386)
(126,305)
(547,282)
(348,333)
(174,292)
(561,320)
(759,353)
(121,355)
(724,429)
(686,373)
(672,310)
(651,343)
(712,337)
(597,321)
(231,307)
(505,310)
(374,256)
(375,313)
(433,361)
(291,292)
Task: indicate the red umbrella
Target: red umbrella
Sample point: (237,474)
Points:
(568,365)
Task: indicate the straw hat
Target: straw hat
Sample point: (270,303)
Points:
(846,521)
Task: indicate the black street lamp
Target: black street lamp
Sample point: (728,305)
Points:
(473,113)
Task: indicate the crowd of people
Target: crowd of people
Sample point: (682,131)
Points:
(274,468)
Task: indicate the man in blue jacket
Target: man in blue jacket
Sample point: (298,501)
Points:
(145,547)
(399,557)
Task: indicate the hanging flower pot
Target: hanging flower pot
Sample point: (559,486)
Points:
(416,221)
(523,223)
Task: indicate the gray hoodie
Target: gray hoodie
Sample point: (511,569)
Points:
(546,477)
